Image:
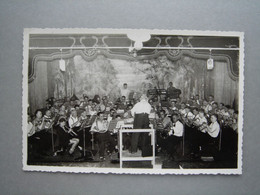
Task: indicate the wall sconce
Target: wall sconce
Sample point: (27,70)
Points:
(210,62)
(62,64)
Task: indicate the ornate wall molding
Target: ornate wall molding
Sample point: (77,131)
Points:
(91,54)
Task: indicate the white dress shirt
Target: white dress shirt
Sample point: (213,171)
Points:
(72,121)
(141,107)
(213,129)
(177,129)
(99,126)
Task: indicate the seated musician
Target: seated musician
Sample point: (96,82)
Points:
(41,138)
(84,103)
(188,114)
(211,100)
(100,127)
(106,105)
(173,106)
(163,125)
(90,108)
(63,110)
(220,109)
(74,122)
(30,126)
(178,103)
(62,114)
(128,115)
(197,127)
(182,110)
(66,136)
(48,120)
(173,92)
(35,144)
(209,133)
(197,101)
(200,120)
(195,112)
(206,107)
(213,129)
(111,115)
(37,122)
(214,108)
(122,104)
(156,103)
(175,135)
(165,121)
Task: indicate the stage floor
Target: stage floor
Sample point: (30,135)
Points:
(162,161)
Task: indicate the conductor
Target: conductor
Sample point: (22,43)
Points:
(140,111)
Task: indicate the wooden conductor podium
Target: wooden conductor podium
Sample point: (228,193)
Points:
(123,158)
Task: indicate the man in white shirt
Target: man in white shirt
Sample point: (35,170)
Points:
(100,126)
(140,111)
(210,135)
(175,135)
(214,128)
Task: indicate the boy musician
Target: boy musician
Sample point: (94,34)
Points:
(100,127)
(65,136)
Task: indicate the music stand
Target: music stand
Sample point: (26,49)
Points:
(52,139)
(162,92)
(152,92)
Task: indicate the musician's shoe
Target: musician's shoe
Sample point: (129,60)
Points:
(102,158)
(80,148)
(195,156)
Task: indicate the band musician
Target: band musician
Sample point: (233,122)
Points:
(74,122)
(103,136)
(163,125)
(175,135)
(210,133)
(66,136)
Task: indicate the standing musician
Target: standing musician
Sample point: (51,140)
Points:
(100,126)
(66,136)
(175,135)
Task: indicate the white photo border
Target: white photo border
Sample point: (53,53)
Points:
(229,171)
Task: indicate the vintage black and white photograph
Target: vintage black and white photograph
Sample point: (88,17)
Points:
(133,101)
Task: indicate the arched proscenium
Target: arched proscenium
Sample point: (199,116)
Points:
(90,55)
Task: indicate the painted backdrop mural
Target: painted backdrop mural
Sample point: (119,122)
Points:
(105,76)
